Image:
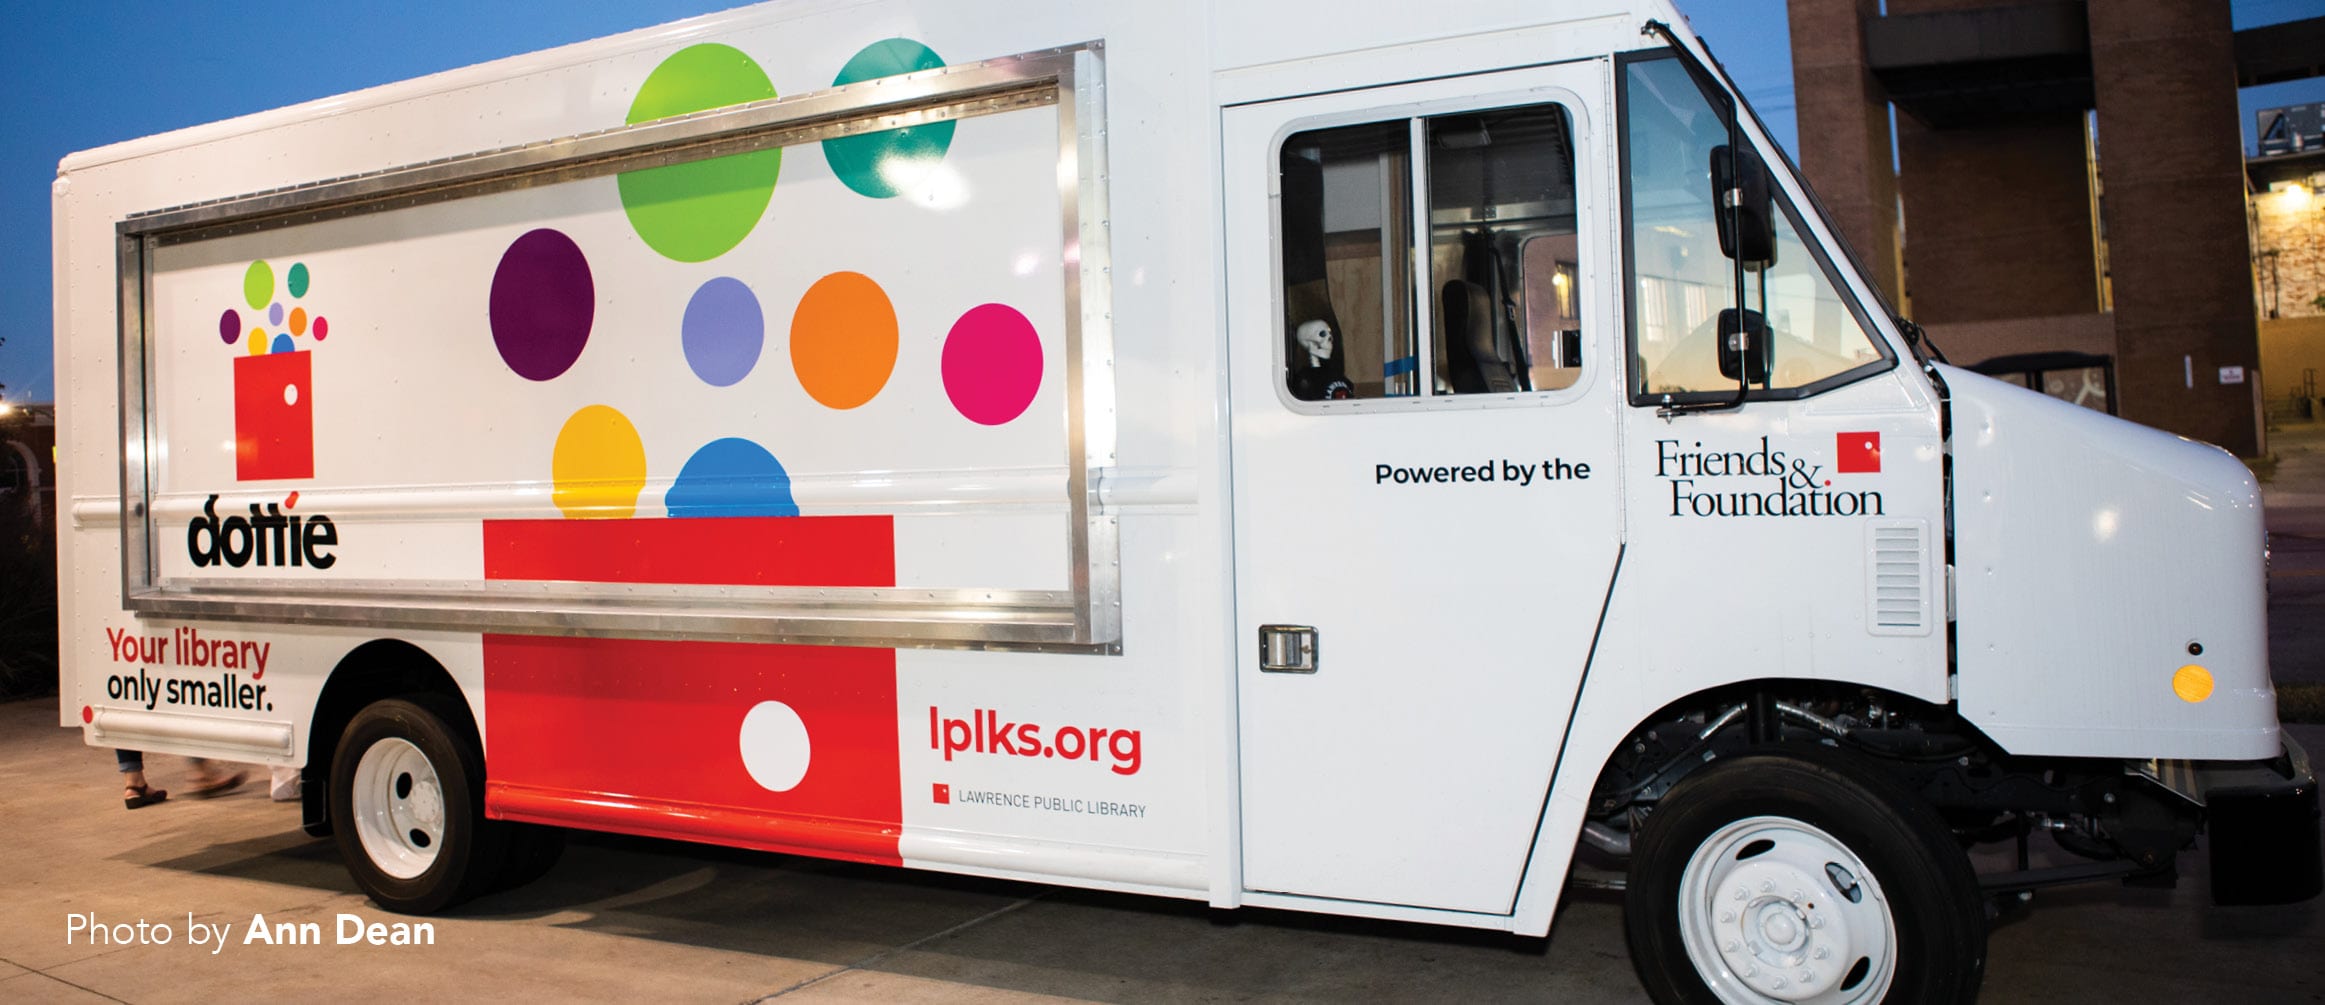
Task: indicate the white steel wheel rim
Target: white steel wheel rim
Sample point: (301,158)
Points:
(1775,910)
(399,808)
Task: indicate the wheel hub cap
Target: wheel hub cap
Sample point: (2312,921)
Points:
(399,807)
(1786,915)
(1776,910)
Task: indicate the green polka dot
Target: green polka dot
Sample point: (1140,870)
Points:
(258,285)
(892,162)
(298,279)
(699,210)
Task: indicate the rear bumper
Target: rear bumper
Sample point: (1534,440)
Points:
(2261,824)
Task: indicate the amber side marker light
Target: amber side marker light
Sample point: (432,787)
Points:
(2192,683)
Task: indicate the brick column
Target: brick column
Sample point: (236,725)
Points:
(1844,134)
(2171,156)
(1998,220)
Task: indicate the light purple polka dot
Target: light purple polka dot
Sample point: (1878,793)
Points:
(723,331)
(274,314)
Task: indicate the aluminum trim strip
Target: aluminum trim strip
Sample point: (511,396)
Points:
(137,729)
(1164,871)
(1050,629)
(962,91)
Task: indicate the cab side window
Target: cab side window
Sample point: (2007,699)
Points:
(1346,232)
(1488,264)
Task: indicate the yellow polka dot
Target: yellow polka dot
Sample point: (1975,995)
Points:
(598,466)
(2192,683)
(256,342)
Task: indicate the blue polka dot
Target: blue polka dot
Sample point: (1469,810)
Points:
(283,343)
(731,477)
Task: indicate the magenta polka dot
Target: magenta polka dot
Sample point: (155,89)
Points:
(992,364)
(321,328)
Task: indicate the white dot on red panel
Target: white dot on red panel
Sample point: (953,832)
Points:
(774,745)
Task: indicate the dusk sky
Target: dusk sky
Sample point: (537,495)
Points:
(85,75)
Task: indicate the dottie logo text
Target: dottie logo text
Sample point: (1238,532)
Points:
(267,537)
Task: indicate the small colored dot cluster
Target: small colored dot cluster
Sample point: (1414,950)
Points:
(271,328)
(844,336)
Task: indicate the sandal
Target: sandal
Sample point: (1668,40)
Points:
(138,797)
(219,787)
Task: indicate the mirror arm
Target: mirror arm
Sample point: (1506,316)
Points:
(1731,202)
(1917,338)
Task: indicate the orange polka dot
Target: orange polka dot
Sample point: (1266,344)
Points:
(298,321)
(843,340)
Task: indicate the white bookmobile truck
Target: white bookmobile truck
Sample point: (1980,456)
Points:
(1314,456)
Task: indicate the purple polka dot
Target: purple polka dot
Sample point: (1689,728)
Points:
(274,314)
(992,364)
(543,302)
(230,327)
(723,331)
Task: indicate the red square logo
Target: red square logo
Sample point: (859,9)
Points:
(274,417)
(1857,453)
(944,793)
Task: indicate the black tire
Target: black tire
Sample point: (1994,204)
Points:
(1724,816)
(411,853)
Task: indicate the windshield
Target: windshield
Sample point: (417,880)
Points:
(1680,282)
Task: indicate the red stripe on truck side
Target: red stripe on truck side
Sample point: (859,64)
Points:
(713,551)
(784,833)
(776,747)
(782,748)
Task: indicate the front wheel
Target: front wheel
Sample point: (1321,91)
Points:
(407,807)
(1801,878)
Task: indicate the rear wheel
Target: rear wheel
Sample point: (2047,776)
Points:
(1801,878)
(407,807)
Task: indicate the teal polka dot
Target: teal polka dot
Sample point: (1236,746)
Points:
(892,162)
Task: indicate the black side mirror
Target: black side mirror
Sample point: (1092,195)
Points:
(1745,352)
(1745,209)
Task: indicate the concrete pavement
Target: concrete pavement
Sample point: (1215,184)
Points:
(624,918)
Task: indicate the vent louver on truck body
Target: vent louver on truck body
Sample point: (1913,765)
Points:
(1897,577)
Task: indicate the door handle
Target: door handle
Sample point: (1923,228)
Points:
(1287,649)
